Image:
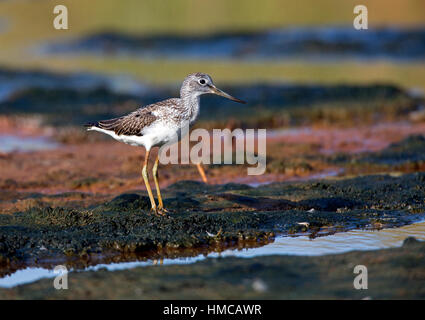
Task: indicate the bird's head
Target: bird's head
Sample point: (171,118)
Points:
(200,83)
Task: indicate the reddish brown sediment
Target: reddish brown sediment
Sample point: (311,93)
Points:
(23,126)
(107,168)
(349,140)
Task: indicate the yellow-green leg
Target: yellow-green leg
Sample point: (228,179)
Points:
(158,190)
(146,180)
(202,172)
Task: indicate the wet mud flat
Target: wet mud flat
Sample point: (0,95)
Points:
(397,273)
(204,217)
(70,175)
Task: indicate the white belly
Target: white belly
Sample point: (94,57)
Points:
(160,134)
(153,136)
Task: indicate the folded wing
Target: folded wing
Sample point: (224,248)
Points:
(129,125)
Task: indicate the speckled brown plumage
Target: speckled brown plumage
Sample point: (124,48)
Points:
(131,124)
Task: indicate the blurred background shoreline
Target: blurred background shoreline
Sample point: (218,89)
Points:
(28,24)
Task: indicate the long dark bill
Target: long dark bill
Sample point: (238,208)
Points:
(219,92)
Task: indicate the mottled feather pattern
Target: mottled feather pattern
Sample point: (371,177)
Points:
(131,124)
(159,121)
(170,110)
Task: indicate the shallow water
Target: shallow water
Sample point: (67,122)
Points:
(328,43)
(285,245)
(9,143)
(319,175)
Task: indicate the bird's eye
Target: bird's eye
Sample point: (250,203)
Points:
(202,81)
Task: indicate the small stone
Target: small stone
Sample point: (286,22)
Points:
(409,241)
(304,224)
(259,285)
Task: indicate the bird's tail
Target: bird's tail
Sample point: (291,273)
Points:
(91,124)
(104,124)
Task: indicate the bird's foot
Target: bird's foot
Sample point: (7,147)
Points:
(159,211)
(163,210)
(155,211)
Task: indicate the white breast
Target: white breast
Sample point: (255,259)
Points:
(159,134)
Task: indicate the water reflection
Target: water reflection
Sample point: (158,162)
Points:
(337,243)
(301,245)
(9,143)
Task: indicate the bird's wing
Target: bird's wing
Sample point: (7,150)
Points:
(131,124)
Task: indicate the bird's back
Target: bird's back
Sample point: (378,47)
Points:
(135,122)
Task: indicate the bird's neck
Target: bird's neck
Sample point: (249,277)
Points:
(191,103)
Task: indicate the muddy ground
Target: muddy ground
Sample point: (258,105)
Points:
(203,217)
(392,274)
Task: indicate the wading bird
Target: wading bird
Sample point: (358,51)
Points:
(159,123)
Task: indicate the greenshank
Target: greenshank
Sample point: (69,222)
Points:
(159,123)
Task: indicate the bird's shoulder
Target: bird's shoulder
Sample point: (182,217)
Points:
(161,105)
(136,121)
